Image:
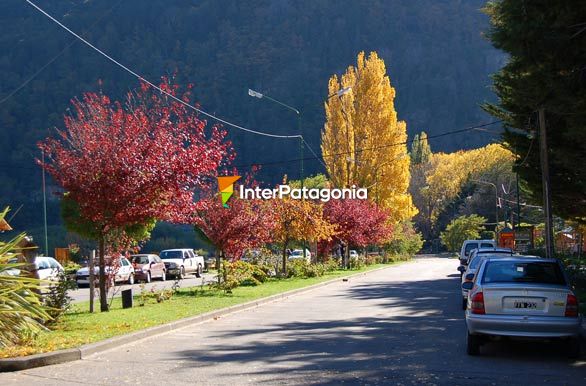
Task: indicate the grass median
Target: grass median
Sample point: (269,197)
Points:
(79,327)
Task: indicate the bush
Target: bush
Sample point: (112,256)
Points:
(56,299)
(304,269)
(405,240)
(240,273)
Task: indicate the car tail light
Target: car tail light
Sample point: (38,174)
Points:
(571,306)
(477,305)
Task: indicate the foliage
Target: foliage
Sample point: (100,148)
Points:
(352,130)
(405,240)
(57,300)
(461,229)
(439,183)
(319,181)
(126,164)
(545,70)
(245,224)
(71,268)
(358,222)
(298,220)
(21,311)
(420,150)
(239,273)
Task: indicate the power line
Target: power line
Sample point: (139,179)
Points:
(140,77)
(323,157)
(72,42)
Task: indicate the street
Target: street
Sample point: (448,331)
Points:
(83,294)
(400,325)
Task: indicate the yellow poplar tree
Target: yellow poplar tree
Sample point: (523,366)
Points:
(360,133)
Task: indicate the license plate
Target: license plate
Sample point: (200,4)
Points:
(526,305)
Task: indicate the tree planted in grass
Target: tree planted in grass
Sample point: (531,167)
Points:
(461,229)
(127,163)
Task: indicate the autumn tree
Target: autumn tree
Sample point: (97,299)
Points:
(461,229)
(297,220)
(127,163)
(245,224)
(358,223)
(363,142)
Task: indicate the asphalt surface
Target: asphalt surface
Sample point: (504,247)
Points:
(398,326)
(83,294)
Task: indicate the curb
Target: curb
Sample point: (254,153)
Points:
(82,352)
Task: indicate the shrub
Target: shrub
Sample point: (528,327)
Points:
(240,273)
(405,240)
(304,269)
(56,299)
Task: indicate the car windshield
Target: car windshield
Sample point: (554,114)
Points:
(140,260)
(525,272)
(171,255)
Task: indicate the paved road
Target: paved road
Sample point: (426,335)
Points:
(83,294)
(401,325)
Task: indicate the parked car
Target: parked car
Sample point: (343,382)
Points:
(477,258)
(523,298)
(353,253)
(469,245)
(45,268)
(180,262)
(474,252)
(297,254)
(124,271)
(147,267)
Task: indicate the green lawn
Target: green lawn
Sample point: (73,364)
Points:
(79,327)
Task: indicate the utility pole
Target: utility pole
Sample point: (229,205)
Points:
(44,203)
(549,251)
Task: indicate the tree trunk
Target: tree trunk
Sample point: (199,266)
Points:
(285,244)
(103,293)
(219,264)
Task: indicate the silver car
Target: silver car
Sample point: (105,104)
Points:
(477,257)
(521,297)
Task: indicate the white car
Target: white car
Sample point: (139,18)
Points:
(353,253)
(469,245)
(45,268)
(124,272)
(179,262)
(297,254)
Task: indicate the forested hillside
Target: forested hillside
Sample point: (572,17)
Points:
(436,56)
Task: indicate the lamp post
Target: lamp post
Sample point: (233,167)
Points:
(496,206)
(260,95)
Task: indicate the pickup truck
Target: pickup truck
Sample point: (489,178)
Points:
(180,262)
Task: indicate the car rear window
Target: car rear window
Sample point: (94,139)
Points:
(486,245)
(140,259)
(523,272)
(171,255)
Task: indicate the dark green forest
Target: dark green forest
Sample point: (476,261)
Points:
(436,55)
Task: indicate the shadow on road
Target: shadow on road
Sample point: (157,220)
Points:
(419,331)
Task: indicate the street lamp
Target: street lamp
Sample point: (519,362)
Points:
(259,95)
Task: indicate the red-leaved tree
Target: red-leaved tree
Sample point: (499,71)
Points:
(358,223)
(126,164)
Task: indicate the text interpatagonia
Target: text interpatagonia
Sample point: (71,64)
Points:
(304,193)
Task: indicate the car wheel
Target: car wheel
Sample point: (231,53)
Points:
(131,279)
(473,344)
(181,273)
(199,271)
(148,277)
(464,304)
(164,276)
(574,348)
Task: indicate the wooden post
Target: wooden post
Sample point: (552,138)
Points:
(91,278)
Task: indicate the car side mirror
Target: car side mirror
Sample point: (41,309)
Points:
(470,277)
(467,285)
(461,269)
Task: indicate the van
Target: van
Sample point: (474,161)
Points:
(469,245)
